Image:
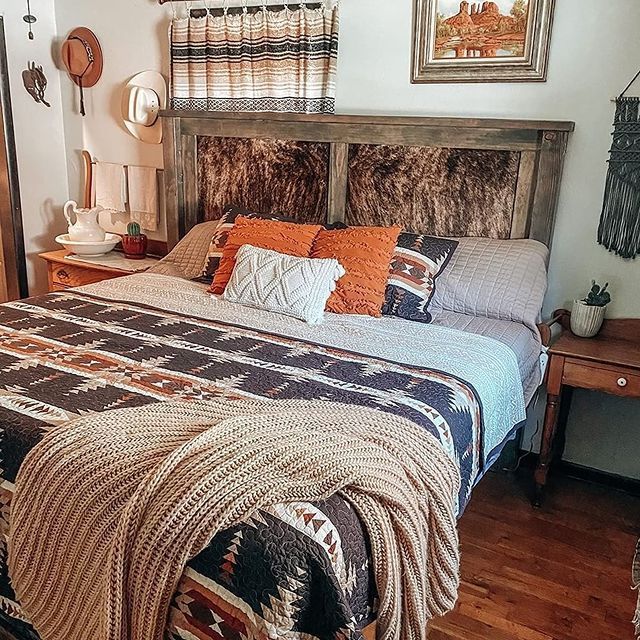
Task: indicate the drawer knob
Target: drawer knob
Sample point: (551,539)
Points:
(622,382)
(63,274)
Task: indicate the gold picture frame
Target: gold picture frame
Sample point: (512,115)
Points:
(500,41)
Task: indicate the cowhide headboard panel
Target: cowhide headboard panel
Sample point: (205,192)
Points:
(284,176)
(450,192)
(442,176)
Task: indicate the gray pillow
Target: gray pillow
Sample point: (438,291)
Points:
(501,279)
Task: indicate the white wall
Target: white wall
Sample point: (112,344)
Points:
(595,50)
(134,36)
(39,133)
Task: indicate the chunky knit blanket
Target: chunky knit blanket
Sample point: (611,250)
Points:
(109,509)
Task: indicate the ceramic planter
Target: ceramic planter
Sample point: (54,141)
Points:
(134,247)
(586,320)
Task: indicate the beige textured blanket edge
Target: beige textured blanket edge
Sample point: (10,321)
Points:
(109,509)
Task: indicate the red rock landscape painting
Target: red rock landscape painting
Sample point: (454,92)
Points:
(481,29)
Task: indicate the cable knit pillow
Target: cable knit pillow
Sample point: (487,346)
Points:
(417,262)
(284,237)
(365,253)
(298,287)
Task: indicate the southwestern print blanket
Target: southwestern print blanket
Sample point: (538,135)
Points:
(296,570)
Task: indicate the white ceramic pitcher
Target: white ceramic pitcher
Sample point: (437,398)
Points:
(86,227)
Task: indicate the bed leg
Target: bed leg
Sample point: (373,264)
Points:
(549,428)
(546,449)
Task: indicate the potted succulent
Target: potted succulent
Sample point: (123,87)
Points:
(587,314)
(134,243)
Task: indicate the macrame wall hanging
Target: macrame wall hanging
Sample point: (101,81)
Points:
(619,229)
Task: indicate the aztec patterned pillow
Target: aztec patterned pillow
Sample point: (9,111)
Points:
(225,225)
(285,237)
(227,222)
(416,263)
(292,286)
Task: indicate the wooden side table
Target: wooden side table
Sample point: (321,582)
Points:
(610,362)
(64,274)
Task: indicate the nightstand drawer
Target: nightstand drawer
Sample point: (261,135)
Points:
(72,276)
(619,381)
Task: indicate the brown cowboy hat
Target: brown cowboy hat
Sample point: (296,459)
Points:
(82,56)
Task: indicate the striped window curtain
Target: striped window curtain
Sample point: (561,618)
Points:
(265,61)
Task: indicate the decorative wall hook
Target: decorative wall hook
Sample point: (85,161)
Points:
(30,19)
(35,82)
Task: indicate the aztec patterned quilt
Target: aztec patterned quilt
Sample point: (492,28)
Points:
(296,571)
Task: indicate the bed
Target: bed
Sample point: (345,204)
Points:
(299,570)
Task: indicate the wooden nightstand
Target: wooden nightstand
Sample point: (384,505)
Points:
(610,362)
(64,274)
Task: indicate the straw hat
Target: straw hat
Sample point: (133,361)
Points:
(142,99)
(82,57)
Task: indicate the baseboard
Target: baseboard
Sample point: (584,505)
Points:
(587,474)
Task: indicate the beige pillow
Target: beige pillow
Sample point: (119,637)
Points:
(293,286)
(188,256)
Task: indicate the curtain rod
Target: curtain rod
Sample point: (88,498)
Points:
(254,6)
(250,9)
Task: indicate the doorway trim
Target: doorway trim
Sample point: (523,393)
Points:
(13,241)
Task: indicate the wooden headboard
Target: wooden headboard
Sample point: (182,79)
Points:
(442,176)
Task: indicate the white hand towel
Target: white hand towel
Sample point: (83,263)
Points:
(143,197)
(109,186)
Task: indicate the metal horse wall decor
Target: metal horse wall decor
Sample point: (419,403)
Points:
(35,82)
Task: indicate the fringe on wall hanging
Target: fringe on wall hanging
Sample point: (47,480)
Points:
(619,229)
(260,60)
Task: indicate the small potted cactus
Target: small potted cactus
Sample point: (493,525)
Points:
(587,314)
(134,243)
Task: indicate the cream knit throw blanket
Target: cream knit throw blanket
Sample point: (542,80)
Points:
(109,508)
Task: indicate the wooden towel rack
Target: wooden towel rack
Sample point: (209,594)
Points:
(88,178)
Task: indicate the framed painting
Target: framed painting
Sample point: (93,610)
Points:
(499,41)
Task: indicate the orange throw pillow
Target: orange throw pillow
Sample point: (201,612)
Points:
(284,237)
(365,253)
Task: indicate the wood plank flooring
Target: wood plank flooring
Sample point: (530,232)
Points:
(560,573)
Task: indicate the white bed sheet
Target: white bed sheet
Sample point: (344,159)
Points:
(524,342)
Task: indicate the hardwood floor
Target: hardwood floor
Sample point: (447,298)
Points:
(5,635)
(560,573)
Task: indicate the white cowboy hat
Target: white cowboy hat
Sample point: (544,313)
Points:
(142,99)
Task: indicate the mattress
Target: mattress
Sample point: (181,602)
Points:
(298,570)
(524,343)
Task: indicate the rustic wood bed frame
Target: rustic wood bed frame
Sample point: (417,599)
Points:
(443,176)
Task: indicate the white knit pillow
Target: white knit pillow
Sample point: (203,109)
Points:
(298,287)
